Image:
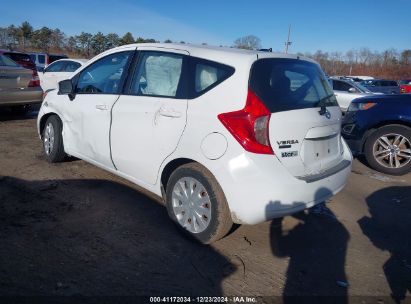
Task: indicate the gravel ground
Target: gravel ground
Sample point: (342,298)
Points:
(73,229)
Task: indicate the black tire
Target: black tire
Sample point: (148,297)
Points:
(220,223)
(55,153)
(372,140)
(20,110)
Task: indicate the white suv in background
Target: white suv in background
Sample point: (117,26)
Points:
(222,135)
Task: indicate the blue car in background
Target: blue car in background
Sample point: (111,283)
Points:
(382,86)
(379,127)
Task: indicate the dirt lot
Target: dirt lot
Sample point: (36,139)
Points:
(73,229)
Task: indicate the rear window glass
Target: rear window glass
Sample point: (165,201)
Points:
(41,59)
(290,84)
(390,83)
(5,61)
(19,56)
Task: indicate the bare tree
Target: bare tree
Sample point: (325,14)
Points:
(249,42)
(406,57)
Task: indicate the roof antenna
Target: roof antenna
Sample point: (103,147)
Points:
(288,43)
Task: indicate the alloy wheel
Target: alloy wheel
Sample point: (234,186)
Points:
(392,150)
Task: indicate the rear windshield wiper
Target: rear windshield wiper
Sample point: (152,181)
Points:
(321,103)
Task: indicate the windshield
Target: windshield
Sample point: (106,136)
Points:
(290,84)
(405,81)
(5,61)
(19,57)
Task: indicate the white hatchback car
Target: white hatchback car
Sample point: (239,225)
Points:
(58,71)
(222,135)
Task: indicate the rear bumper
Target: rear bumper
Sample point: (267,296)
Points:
(21,97)
(259,188)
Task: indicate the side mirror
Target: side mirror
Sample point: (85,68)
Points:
(66,88)
(352,90)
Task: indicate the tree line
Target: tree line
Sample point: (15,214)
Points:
(390,64)
(45,39)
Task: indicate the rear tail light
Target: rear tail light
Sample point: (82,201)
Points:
(35,80)
(249,126)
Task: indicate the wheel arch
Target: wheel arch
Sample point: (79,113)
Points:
(43,120)
(169,168)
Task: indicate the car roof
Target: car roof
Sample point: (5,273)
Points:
(79,60)
(209,52)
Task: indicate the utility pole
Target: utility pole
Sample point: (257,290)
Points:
(288,43)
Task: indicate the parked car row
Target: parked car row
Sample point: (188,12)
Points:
(346,91)
(16,91)
(379,85)
(19,86)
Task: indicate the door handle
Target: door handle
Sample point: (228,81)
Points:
(169,113)
(102,107)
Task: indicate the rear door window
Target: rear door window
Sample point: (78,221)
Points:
(290,84)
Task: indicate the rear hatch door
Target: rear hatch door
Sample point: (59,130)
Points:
(304,129)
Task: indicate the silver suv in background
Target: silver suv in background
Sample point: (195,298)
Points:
(346,91)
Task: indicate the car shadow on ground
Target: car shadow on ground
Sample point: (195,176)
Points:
(389,228)
(97,237)
(316,247)
(6,114)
